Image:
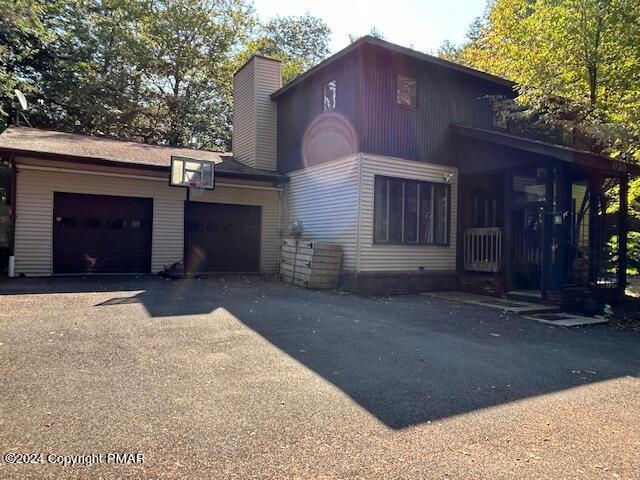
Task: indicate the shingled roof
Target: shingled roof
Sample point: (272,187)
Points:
(34,142)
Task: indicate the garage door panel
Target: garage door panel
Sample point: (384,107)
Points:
(222,237)
(101,234)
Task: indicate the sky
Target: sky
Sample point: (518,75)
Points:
(422,25)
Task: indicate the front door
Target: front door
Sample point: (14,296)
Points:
(528,234)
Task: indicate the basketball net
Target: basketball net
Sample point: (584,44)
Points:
(196,188)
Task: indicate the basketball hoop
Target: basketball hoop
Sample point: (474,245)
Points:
(196,175)
(196,187)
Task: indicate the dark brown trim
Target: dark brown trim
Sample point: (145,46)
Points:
(397,49)
(603,163)
(275,179)
(595,187)
(547,272)
(623,228)
(81,160)
(507,233)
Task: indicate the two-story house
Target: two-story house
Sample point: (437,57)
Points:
(393,154)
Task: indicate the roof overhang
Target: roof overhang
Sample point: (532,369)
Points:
(104,162)
(559,152)
(392,47)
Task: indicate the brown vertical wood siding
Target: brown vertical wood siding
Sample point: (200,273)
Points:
(303,104)
(366,97)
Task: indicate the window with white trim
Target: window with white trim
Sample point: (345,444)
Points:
(411,212)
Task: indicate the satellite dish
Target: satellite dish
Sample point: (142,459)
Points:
(22,99)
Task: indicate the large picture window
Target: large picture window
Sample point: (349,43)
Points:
(411,212)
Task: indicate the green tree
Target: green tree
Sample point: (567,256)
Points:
(157,71)
(190,47)
(23,50)
(299,42)
(151,70)
(93,84)
(576,63)
(373,32)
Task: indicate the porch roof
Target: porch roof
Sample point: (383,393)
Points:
(560,152)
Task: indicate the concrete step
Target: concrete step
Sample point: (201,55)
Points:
(534,301)
(519,307)
(534,296)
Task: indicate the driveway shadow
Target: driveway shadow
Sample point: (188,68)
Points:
(406,360)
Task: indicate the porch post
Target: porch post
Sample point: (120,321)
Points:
(547,233)
(623,227)
(463,202)
(559,219)
(595,186)
(507,238)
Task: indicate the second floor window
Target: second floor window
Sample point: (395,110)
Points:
(500,120)
(407,92)
(410,212)
(329,96)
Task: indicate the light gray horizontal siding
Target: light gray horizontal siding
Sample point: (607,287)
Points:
(325,199)
(243,140)
(403,257)
(255,114)
(268,79)
(34,220)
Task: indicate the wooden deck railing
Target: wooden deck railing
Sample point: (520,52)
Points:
(483,249)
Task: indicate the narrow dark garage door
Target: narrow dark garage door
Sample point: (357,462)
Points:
(222,238)
(101,234)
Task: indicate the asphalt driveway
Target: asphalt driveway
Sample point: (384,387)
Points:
(255,379)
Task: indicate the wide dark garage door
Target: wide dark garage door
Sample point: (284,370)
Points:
(101,234)
(222,238)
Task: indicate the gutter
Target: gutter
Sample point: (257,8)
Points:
(136,177)
(13,152)
(14,188)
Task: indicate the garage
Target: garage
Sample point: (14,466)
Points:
(101,233)
(222,237)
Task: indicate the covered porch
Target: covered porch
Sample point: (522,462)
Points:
(539,220)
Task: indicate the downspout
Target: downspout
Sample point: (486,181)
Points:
(359,211)
(280,222)
(14,188)
(623,228)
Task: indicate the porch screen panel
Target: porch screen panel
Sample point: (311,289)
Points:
(606,234)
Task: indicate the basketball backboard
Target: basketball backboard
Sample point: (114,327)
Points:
(190,172)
